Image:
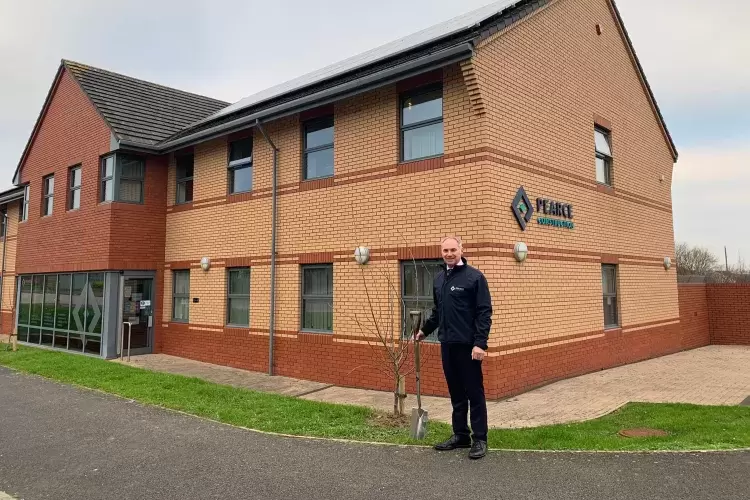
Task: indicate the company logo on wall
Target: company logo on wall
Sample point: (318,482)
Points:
(556,213)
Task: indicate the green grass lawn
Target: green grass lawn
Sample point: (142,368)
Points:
(690,427)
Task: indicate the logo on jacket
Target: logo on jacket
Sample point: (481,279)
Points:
(454,288)
(522,208)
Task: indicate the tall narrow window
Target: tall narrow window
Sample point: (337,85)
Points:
(609,289)
(3,221)
(185,167)
(241,165)
(74,199)
(131,172)
(181,295)
(108,178)
(24,212)
(603,153)
(48,197)
(422,123)
(318,158)
(238,296)
(317,297)
(417,277)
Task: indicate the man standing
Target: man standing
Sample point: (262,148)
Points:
(463,313)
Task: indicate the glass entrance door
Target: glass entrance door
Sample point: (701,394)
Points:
(137,308)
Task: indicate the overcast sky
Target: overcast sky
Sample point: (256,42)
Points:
(694,53)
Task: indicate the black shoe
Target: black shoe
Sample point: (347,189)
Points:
(453,442)
(478,449)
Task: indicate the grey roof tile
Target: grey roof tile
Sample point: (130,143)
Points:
(141,111)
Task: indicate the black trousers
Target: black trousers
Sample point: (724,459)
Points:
(466,387)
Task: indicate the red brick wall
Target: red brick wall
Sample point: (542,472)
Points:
(729,307)
(71,133)
(694,315)
(98,236)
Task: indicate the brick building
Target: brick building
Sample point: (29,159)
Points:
(226,233)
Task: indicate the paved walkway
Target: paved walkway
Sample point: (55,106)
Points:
(716,375)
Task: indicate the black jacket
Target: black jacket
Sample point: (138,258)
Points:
(463,307)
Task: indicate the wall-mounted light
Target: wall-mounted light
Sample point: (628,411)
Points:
(520,251)
(362,255)
(205,263)
(667,263)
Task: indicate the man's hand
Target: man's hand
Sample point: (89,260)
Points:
(419,336)
(478,354)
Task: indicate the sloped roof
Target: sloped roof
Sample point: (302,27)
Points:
(140,111)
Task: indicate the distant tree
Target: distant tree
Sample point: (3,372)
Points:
(694,260)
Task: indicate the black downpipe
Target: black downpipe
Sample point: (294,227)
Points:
(271,323)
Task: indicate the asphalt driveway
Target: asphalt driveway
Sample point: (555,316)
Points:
(58,441)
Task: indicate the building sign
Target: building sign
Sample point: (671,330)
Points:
(550,212)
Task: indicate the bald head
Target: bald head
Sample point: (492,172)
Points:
(452,250)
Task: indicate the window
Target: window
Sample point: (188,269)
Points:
(317,297)
(181,295)
(185,169)
(603,156)
(24,212)
(62,310)
(48,197)
(609,289)
(122,178)
(74,201)
(318,160)
(417,277)
(238,296)
(241,165)
(3,222)
(422,124)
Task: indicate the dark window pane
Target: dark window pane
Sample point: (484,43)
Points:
(423,141)
(601,170)
(319,164)
(47,337)
(185,191)
(185,166)
(24,308)
(182,282)
(318,281)
(181,308)
(37,300)
(50,299)
(242,179)
(34,336)
(319,133)
(48,202)
(610,311)
(131,167)
(318,314)
(75,342)
(131,191)
(75,199)
(93,344)
(239,282)
(422,107)
(61,340)
(23,333)
(240,149)
(79,302)
(95,303)
(63,302)
(239,311)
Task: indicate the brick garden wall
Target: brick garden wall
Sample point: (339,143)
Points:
(729,306)
(694,315)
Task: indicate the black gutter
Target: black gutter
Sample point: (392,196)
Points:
(385,77)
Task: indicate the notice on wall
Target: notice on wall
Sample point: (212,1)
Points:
(137,297)
(127,290)
(145,303)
